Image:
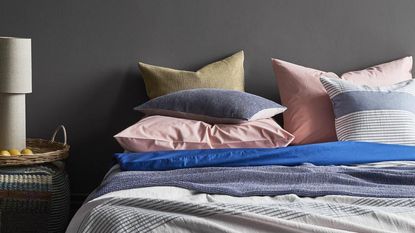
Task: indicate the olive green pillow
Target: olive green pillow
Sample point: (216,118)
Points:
(225,74)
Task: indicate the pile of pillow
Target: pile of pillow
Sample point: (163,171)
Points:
(375,104)
(206,109)
(209,109)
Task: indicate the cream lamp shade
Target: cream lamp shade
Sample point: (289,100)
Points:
(15,82)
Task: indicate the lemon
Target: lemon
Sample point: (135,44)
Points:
(14,152)
(27,152)
(4,153)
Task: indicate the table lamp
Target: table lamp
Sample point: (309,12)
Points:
(15,83)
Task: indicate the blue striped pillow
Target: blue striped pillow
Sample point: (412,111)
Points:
(374,114)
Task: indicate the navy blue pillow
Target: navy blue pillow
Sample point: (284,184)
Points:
(212,106)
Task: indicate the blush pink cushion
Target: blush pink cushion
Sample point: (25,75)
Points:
(382,75)
(158,133)
(309,115)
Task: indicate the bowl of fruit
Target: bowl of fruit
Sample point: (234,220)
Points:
(37,151)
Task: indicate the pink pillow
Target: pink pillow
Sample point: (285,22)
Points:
(383,74)
(309,115)
(158,133)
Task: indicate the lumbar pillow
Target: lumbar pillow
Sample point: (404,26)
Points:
(309,116)
(157,133)
(225,74)
(374,114)
(212,105)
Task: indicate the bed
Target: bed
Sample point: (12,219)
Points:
(362,197)
(209,157)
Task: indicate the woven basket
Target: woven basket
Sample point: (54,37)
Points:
(44,151)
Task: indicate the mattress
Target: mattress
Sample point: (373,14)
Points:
(177,209)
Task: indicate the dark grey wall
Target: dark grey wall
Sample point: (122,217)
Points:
(85,54)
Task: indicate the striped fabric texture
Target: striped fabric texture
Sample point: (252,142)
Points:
(289,213)
(373,114)
(33,199)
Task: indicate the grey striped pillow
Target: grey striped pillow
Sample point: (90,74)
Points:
(374,114)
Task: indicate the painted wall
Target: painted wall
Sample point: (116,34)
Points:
(85,54)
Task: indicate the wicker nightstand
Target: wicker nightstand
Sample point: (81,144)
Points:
(34,198)
(34,189)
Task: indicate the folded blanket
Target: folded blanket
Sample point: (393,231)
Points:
(332,153)
(307,180)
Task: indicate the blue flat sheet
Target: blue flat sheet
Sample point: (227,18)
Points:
(331,153)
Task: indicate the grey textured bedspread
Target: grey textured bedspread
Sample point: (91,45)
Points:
(184,201)
(307,181)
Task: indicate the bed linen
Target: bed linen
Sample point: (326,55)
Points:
(212,105)
(309,116)
(331,153)
(225,74)
(174,209)
(367,195)
(163,133)
(306,180)
(375,114)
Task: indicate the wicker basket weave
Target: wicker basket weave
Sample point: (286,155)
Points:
(44,151)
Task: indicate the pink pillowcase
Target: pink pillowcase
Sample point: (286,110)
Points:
(158,133)
(309,115)
(383,74)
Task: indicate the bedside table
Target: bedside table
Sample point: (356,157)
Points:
(34,198)
(34,188)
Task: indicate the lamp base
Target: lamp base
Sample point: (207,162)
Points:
(12,121)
